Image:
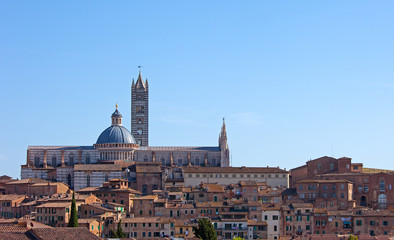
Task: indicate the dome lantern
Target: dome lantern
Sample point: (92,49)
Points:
(116,117)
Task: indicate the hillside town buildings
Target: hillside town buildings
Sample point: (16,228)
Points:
(161,192)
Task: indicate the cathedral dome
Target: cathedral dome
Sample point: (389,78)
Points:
(115,134)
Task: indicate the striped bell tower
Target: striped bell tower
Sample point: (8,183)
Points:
(140,111)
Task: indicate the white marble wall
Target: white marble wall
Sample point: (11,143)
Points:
(96,178)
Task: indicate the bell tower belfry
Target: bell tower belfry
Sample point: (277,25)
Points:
(140,111)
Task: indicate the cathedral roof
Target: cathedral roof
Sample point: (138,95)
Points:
(182,148)
(115,134)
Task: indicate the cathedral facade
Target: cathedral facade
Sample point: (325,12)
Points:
(117,148)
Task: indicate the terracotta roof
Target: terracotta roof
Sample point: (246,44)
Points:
(86,220)
(195,169)
(209,204)
(212,187)
(248,183)
(271,207)
(142,220)
(340,213)
(99,206)
(104,189)
(15,236)
(147,197)
(97,167)
(48,183)
(55,205)
(372,212)
(302,205)
(256,223)
(11,197)
(28,180)
(8,229)
(320,210)
(63,234)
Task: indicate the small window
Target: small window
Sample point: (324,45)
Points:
(382,185)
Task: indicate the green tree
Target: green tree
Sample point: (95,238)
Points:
(352,237)
(238,238)
(73,221)
(205,230)
(119,233)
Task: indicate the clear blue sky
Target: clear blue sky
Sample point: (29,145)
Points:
(295,80)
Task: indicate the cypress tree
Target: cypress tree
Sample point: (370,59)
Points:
(73,221)
(205,230)
(119,233)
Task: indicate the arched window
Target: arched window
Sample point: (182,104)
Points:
(87,158)
(145,158)
(88,181)
(382,200)
(71,159)
(382,186)
(163,161)
(53,160)
(179,161)
(154,187)
(106,177)
(37,160)
(197,161)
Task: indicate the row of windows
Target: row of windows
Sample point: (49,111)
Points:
(372,223)
(274,217)
(49,218)
(53,162)
(6,203)
(235,175)
(47,210)
(180,162)
(140,224)
(145,234)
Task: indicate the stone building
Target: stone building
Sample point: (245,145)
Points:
(272,215)
(371,187)
(85,166)
(324,193)
(193,176)
(114,191)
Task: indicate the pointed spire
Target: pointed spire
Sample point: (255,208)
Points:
(223,133)
(132,84)
(140,82)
